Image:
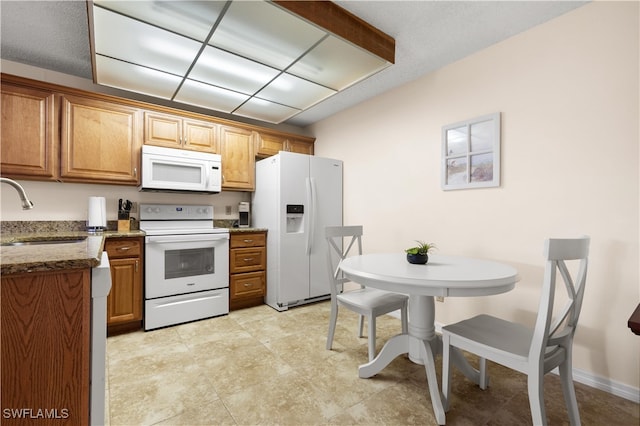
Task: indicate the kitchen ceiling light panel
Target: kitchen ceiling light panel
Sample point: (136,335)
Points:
(337,64)
(123,75)
(231,71)
(294,92)
(260,109)
(265,33)
(193,19)
(132,41)
(207,96)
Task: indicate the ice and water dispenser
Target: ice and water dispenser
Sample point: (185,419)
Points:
(295,218)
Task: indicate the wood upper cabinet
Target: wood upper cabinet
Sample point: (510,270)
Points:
(174,131)
(300,146)
(100,141)
(238,159)
(29,133)
(268,144)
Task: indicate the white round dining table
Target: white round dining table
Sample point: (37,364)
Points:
(446,276)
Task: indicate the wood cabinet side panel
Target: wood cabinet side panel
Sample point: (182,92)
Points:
(46,343)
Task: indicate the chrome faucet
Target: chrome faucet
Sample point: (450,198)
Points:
(26,204)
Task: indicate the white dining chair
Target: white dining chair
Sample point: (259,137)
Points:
(536,351)
(367,302)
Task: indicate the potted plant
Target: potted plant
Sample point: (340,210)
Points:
(420,253)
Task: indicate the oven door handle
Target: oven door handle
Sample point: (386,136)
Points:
(159,239)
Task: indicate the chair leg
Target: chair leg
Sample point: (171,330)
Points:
(484,379)
(404,319)
(332,324)
(372,337)
(361,326)
(446,371)
(535,384)
(569,391)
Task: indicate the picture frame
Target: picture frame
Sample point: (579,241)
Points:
(471,153)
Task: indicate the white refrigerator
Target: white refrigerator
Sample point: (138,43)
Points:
(296,197)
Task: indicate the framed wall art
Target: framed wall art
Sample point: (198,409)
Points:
(471,153)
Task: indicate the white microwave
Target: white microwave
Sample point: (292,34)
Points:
(179,170)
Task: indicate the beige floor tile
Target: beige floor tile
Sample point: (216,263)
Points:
(257,366)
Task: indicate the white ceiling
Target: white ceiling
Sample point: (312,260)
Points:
(54,35)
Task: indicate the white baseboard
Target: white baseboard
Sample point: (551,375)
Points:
(602,383)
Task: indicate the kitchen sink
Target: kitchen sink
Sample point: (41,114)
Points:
(47,241)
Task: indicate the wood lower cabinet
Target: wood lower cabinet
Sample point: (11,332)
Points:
(124,304)
(174,131)
(28,133)
(45,347)
(100,141)
(247,269)
(238,159)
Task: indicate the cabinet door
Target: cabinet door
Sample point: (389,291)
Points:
(238,160)
(200,136)
(124,303)
(162,130)
(268,144)
(300,146)
(100,141)
(28,136)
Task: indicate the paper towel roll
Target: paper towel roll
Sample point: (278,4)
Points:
(97,215)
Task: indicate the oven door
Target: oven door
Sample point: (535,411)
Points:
(179,264)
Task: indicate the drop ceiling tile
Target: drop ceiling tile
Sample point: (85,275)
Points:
(337,64)
(260,109)
(294,92)
(132,41)
(193,19)
(123,75)
(265,33)
(233,72)
(207,96)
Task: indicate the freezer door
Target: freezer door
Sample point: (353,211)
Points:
(326,183)
(294,259)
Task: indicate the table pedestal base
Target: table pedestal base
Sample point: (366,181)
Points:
(422,345)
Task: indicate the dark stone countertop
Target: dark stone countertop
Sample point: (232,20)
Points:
(79,249)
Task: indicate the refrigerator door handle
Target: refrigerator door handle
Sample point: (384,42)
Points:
(312,209)
(309,215)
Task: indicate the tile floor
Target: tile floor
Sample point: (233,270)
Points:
(258,366)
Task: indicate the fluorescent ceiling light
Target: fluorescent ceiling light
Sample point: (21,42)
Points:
(255,59)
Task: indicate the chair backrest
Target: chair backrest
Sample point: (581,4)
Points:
(338,247)
(557,329)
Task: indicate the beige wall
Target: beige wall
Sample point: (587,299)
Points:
(568,93)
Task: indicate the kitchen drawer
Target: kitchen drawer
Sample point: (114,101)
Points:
(247,240)
(251,284)
(247,259)
(125,247)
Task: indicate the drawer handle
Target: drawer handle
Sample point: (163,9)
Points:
(248,259)
(247,285)
(123,248)
(248,241)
